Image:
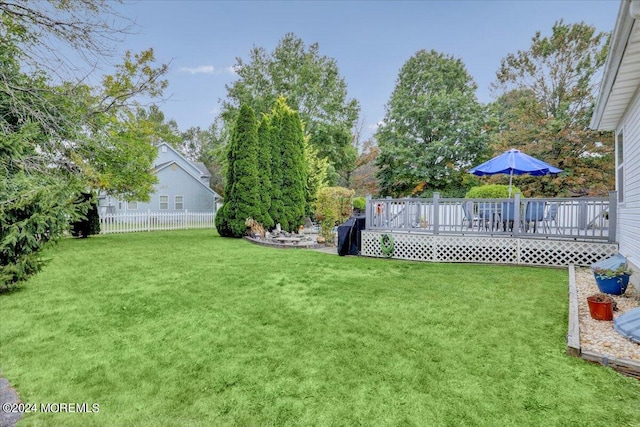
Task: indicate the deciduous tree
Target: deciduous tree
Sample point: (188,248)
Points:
(433,126)
(546,97)
(313,87)
(59,138)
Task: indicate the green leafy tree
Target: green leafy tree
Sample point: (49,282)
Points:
(209,147)
(316,176)
(60,140)
(242,198)
(546,97)
(312,85)
(163,129)
(433,126)
(363,178)
(333,207)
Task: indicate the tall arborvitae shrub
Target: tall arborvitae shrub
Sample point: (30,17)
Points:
(295,178)
(288,167)
(264,172)
(90,223)
(242,199)
(276,210)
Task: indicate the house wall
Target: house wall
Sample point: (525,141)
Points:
(628,231)
(173,180)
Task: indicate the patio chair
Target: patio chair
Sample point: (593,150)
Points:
(533,213)
(507,215)
(550,217)
(488,214)
(469,220)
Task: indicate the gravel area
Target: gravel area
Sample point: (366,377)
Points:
(599,336)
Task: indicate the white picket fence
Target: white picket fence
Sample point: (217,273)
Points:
(154,221)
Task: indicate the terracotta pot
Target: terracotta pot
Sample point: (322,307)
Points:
(600,307)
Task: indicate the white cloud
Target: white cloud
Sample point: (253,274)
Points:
(200,69)
(375,126)
(230,70)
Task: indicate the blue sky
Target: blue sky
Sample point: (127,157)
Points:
(370,41)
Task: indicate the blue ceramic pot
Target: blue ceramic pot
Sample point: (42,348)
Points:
(614,286)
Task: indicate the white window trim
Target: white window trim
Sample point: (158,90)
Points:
(175,202)
(160,202)
(130,208)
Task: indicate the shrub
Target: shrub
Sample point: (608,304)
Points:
(359,203)
(242,197)
(493,191)
(89,224)
(333,207)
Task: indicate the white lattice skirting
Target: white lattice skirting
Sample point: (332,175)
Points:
(493,250)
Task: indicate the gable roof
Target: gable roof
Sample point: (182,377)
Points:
(203,169)
(621,77)
(195,178)
(194,169)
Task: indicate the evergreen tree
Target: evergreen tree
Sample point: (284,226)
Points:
(276,210)
(288,167)
(242,200)
(264,172)
(90,223)
(295,179)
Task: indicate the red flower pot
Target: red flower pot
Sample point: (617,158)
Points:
(600,307)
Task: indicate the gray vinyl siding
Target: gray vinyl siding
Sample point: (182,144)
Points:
(174,181)
(629,210)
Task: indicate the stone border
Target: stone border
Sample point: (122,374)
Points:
(626,367)
(313,245)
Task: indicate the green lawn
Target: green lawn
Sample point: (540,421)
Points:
(187,328)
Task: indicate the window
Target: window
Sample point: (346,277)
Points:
(179,203)
(132,206)
(163,149)
(620,165)
(164,202)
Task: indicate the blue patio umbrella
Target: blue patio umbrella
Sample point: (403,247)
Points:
(514,162)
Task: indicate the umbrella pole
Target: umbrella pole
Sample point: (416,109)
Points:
(510,180)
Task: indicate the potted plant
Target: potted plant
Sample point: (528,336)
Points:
(612,280)
(600,306)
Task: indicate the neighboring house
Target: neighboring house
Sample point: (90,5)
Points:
(182,185)
(618,109)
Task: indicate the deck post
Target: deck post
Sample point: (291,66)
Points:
(613,215)
(368,212)
(436,213)
(516,230)
(387,215)
(582,215)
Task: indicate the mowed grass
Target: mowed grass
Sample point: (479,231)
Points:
(187,328)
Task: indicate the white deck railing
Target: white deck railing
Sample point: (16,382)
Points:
(155,221)
(583,218)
